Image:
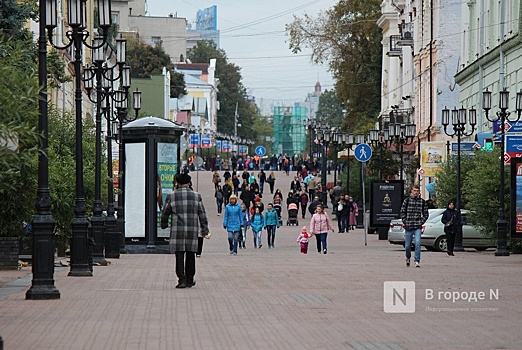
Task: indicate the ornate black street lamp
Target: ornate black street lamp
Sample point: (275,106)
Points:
(381,140)
(78,35)
(120,98)
(459,121)
(502,116)
(103,76)
(324,136)
(348,142)
(338,140)
(402,134)
(42,284)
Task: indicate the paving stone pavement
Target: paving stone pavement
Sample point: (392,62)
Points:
(274,299)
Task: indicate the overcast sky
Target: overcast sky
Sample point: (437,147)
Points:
(253,36)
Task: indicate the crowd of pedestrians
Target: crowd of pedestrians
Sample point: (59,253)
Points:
(244,192)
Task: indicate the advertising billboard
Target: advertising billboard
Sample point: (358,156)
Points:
(386,201)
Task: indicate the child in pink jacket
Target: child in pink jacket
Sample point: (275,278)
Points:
(303,240)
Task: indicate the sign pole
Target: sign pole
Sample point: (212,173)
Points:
(364,205)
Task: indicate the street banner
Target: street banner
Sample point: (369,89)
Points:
(516,198)
(206,141)
(194,140)
(433,155)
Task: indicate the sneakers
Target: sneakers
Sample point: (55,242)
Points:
(219,214)
(324,251)
(417,264)
(260,246)
(408,262)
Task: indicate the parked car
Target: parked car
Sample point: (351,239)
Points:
(433,237)
(396,230)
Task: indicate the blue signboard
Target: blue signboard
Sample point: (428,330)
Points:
(242,149)
(218,144)
(260,151)
(514,145)
(466,148)
(194,140)
(226,146)
(510,128)
(363,152)
(205,141)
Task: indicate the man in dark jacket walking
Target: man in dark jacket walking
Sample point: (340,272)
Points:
(414,213)
(189,220)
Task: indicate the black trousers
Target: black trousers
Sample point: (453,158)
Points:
(185,266)
(450,241)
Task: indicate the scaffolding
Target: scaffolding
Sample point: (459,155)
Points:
(289,130)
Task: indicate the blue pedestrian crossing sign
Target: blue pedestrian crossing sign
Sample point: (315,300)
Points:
(260,151)
(363,152)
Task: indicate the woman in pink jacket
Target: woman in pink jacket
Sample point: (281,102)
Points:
(320,224)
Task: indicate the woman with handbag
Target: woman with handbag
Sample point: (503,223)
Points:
(452,224)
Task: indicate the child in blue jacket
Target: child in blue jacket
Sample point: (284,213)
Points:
(257,222)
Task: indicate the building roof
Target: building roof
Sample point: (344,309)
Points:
(202,67)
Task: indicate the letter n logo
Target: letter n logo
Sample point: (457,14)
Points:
(399,296)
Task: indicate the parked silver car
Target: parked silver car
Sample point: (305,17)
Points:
(396,230)
(434,238)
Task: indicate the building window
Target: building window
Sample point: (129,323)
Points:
(115,17)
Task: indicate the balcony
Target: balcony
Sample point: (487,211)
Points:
(395,49)
(406,37)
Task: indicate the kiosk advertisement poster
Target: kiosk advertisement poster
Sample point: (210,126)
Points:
(386,201)
(167,167)
(516,198)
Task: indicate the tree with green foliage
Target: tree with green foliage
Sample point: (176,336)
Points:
(330,109)
(13,17)
(62,169)
(19,135)
(480,189)
(146,60)
(346,38)
(231,90)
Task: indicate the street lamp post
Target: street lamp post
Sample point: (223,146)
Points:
(77,36)
(402,134)
(103,75)
(324,135)
(42,283)
(349,144)
(381,140)
(459,122)
(120,99)
(502,116)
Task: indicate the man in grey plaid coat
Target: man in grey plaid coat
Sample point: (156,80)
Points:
(189,219)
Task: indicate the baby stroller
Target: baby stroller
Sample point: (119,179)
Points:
(292,215)
(278,208)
